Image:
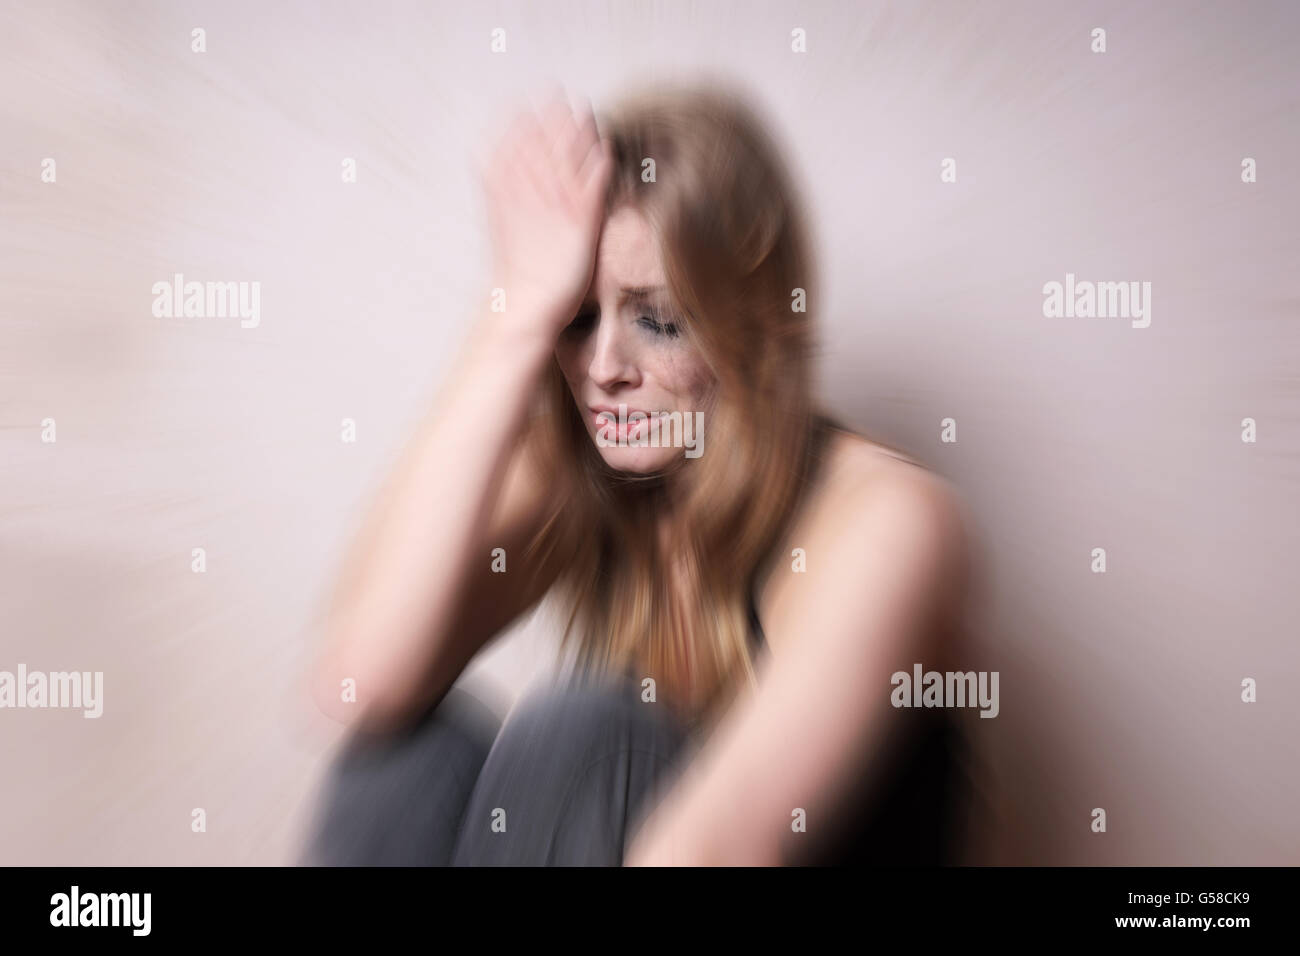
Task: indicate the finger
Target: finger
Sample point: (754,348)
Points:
(584,135)
(568,152)
(506,147)
(533,163)
(552,110)
(565,133)
(594,175)
(568,146)
(556,113)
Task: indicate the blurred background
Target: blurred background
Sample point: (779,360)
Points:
(1119,690)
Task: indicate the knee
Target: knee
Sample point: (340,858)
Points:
(458,723)
(571,766)
(397,797)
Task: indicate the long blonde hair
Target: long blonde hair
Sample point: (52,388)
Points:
(735,251)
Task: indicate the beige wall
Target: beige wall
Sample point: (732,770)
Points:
(1119,690)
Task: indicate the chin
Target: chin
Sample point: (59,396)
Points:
(640,461)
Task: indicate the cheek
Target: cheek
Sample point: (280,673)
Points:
(690,380)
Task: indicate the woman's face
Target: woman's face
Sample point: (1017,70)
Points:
(626,347)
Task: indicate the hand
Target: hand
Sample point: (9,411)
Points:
(545,189)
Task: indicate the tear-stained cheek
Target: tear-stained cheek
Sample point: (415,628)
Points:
(680,371)
(697,383)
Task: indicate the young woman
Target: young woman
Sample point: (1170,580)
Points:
(739,591)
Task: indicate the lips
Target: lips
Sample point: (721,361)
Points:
(598,410)
(606,417)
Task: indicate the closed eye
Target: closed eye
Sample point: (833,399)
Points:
(659,326)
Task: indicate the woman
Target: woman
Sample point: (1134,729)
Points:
(739,594)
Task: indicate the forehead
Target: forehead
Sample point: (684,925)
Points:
(628,254)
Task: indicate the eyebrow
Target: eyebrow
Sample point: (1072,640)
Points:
(632,292)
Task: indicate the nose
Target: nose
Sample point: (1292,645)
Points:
(613,361)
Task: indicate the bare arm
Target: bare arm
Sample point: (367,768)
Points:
(399,625)
(417,597)
(892,560)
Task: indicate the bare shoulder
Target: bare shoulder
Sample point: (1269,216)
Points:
(863,486)
(872,518)
(864,482)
